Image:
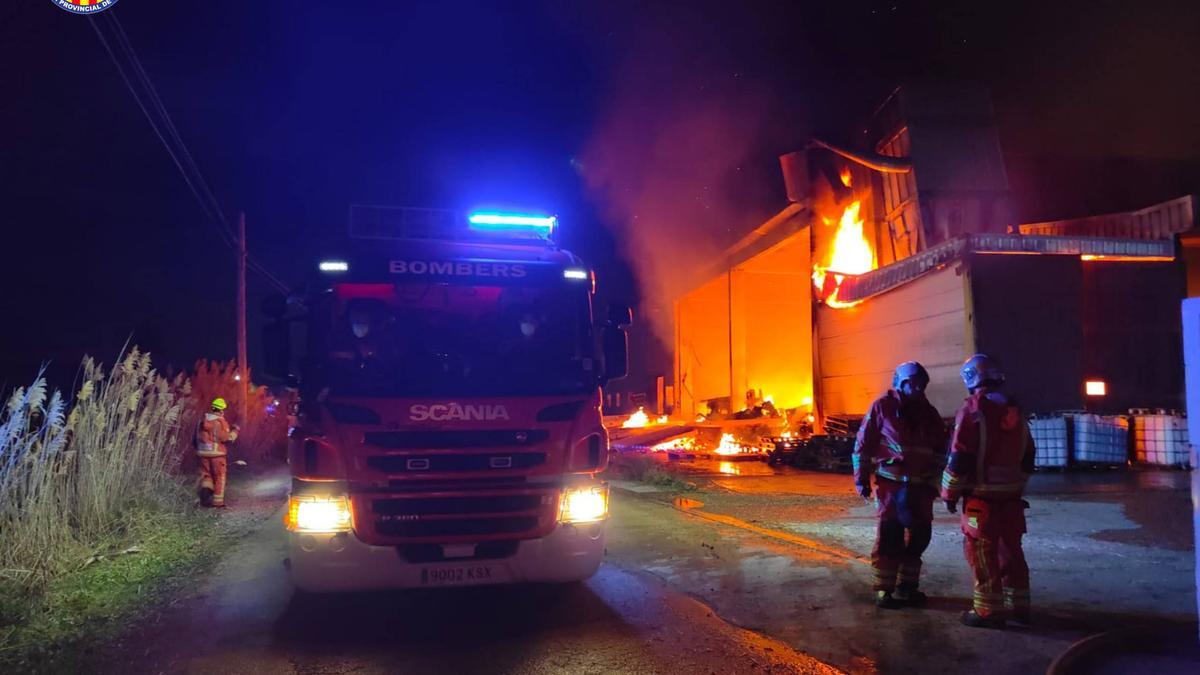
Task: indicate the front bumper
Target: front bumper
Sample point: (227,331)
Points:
(568,553)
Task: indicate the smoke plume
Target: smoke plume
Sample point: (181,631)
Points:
(682,163)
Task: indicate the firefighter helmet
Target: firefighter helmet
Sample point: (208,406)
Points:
(219,404)
(979,370)
(909,370)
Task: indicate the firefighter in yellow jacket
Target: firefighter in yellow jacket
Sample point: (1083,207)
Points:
(213,432)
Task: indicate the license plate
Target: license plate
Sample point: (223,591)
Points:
(455,576)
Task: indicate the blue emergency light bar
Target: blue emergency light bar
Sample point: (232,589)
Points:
(513,223)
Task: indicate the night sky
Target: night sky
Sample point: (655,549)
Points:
(617,116)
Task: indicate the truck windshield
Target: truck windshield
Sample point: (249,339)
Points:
(428,338)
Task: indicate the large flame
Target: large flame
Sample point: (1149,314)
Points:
(851,255)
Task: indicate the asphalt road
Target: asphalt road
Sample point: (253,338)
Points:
(245,618)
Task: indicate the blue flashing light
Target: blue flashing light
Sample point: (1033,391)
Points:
(513,223)
(576,274)
(334,266)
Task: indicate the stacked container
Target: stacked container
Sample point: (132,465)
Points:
(1050,440)
(1160,438)
(1101,439)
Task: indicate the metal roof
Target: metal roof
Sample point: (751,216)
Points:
(863,286)
(1161,221)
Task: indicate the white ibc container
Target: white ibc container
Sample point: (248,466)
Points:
(1101,439)
(1050,441)
(1160,439)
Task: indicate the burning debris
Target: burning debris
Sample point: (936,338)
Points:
(691,447)
(686,443)
(729,446)
(640,419)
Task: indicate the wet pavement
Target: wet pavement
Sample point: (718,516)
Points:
(245,618)
(759,569)
(1108,549)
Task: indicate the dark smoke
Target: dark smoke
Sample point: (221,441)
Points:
(682,161)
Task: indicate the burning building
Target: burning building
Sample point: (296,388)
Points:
(909,250)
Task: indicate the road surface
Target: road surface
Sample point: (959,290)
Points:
(758,570)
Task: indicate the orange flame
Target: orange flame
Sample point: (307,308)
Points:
(636,420)
(846,177)
(851,255)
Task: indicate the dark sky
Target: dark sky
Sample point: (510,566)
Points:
(295,110)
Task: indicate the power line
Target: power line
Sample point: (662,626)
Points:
(160,121)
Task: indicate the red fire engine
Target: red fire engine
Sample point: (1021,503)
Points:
(449,428)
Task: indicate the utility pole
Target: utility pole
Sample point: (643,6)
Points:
(243,375)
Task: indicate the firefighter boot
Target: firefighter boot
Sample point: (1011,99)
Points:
(910,597)
(970,618)
(206,496)
(884,600)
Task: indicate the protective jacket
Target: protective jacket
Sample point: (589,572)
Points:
(212,435)
(991,452)
(902,442)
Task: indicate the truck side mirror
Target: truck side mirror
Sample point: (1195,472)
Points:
(616,353)
(620,316)
(277,349)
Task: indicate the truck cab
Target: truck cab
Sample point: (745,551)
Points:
(448,430)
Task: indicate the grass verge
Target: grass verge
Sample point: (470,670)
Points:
(151,555)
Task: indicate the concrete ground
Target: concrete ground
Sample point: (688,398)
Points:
(757,570)
(784,552)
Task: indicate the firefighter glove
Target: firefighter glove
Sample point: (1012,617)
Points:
(952,505)
(864,490)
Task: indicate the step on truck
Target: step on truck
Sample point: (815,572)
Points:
(448,426)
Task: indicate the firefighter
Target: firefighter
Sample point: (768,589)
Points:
(902,442)
(212,434)
(991,458)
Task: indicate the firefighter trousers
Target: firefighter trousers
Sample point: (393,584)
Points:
(992,532)
(905,528)
(212,477)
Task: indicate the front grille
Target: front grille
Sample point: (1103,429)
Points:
(458,528)
(446,463)
(514,515)
(467,438)
(457,485)
(419,506)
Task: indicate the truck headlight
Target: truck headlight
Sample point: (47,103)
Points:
(584,504)
(318,514)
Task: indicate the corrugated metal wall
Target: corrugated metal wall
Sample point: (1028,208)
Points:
(859,347)
(1027,314)
(702,344)
(1055,321)
(774,355)
(750,328)
(1132,333)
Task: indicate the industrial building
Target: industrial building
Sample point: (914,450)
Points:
(903,246)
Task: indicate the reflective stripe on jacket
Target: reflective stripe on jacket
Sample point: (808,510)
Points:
(212,435)
(904,443)
(991,451)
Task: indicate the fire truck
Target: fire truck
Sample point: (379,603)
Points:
(448,430)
